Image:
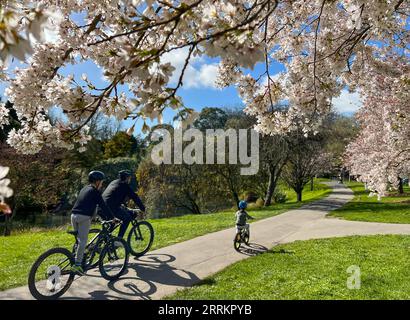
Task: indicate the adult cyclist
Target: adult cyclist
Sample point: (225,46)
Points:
(115,196)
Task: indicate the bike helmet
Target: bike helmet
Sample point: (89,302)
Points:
(95,176)
(124,174)
(242,204)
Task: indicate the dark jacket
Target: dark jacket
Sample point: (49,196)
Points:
(116,194)
(87,201)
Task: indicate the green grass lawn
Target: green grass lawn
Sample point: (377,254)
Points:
(19,251)
(315,269)
(392,209)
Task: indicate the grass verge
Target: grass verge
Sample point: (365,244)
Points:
(315,269)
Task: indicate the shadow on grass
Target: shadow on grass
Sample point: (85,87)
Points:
(206,282)
(281,251)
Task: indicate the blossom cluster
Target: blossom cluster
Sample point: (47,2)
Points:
(5,190)
(323,46)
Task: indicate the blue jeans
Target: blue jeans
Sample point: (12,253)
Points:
(126,217)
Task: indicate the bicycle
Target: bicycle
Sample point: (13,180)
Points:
(242,236)
(141,235)
(50,276)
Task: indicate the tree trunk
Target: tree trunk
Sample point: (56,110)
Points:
(401,191)
(311,184)
(8,220)
(271,189)
(299,196)
(235,197)
(196,209)
(7,229)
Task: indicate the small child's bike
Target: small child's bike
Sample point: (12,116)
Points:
(242,236)
(51,275)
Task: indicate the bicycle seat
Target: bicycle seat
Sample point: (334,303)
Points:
(73,233)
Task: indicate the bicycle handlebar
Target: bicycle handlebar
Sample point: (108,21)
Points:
(111,222)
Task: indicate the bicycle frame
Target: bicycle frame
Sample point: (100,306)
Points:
(102,237)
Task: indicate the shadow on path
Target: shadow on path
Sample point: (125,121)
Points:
(142,278)
(151,270)
(252,249)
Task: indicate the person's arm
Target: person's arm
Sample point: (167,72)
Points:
(248,216)
(103,206)
(135,198)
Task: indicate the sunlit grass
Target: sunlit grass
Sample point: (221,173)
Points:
(315,269)
(392,209)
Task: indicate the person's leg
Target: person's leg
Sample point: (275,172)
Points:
(126,218)
(75,227)
(83,224)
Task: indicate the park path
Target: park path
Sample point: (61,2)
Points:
(164,271)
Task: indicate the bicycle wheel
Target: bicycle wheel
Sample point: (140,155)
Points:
(246,236)
(114,259)
(50,276)
(237,241)
(140,238)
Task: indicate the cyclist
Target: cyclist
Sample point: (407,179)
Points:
(83,211)
(242,216)
(115,196)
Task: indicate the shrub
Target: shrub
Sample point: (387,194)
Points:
(279,197)
(250,196)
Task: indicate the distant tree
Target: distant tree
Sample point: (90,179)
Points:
(305,159)
(211,118)
(273,157)
(339,130)
(39,181)
(120,145)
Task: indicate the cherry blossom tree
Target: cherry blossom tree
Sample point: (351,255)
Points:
(324,46)
(380,155)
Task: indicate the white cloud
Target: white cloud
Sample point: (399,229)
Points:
(198,74)
(347,102)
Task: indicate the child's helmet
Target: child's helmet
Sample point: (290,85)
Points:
(242,204)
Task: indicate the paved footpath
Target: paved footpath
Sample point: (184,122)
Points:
(162,272)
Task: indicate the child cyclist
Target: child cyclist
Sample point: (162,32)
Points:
(242,216)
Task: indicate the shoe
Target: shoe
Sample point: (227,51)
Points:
(77,269)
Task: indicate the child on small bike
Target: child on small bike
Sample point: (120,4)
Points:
(242,216)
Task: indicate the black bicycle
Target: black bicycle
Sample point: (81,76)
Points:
(242,236)
(51,275)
